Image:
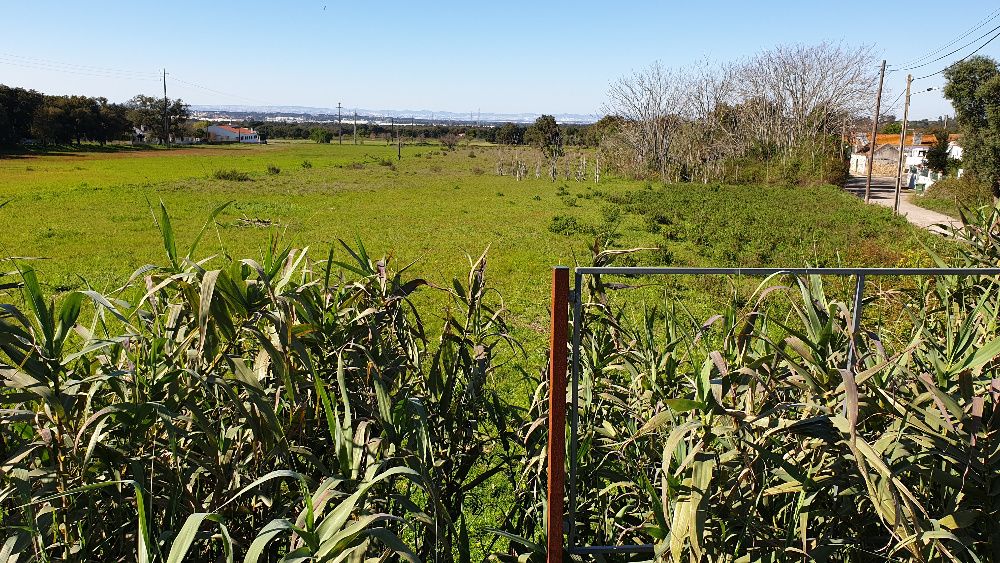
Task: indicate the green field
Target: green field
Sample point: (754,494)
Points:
(83,219)
(87,214)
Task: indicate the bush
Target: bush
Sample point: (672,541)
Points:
(566,225)
(321,135)
(952,194)
(273,169)
(307,164)
(231,175)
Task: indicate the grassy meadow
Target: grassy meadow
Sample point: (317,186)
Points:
(86,215)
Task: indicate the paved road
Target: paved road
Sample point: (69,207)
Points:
(883,190)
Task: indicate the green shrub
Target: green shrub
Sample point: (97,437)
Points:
(307,164)
(566,225)
(231,175)
(273,169)
(953,194)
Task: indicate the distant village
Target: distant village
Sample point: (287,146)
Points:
(915,149)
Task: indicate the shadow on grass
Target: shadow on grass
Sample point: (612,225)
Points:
(29,151)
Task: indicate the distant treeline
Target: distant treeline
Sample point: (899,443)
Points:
(29,115)
(506,134)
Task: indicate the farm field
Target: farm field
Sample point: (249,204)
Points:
(86,216)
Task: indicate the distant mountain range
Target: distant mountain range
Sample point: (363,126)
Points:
(303,113)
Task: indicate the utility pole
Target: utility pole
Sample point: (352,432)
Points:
(355,127)
(871,148)
(843,138)
(902,137)
(340,129)
(392,130)
(166,120)
(399,144)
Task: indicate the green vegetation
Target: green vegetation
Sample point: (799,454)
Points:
(294,403)
(973,87)
(87,214)
(953,195)
(27,114)
(766,225)
(293,406)
(751,436)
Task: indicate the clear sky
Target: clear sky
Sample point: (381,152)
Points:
(498,56)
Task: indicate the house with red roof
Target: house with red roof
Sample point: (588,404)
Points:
(230,134)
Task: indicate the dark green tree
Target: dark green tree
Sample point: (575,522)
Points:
(545,135)
(147,111)
(321,135)
(937,156)
(973,87)
(510,134)
(17,110)
(895,127)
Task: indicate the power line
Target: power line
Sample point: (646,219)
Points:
(221,93)
(94,74)
(34,63)
(981,24)
(74,67)
(960,60)
(955,51)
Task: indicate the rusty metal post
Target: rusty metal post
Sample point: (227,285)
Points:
(556,454)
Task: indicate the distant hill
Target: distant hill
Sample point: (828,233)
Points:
(303,113)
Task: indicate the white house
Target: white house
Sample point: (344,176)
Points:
(230,134)
(954,150)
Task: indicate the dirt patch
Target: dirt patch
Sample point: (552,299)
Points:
(138,152)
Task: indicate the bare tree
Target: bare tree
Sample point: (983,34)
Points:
(650,101)
(687,124)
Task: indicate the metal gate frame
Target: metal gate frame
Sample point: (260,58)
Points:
(563,297)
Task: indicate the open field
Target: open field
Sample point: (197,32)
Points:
(86,218)
(88,215)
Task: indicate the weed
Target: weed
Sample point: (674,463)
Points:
(566,225)
(231,175)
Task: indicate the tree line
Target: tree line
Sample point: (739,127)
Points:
(788,104)
(505,134)
(29,115)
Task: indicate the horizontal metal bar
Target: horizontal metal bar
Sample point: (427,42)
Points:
(599,549)
(645,271)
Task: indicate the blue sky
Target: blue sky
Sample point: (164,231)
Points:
(512,56)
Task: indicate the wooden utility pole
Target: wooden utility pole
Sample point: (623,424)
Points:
(355,127)
(843,138)
(871,147)
(399,144)
(902,138)
(556,446)
(166,119)
(340,129)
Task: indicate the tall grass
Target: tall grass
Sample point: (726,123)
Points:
(289,408)
(282,407)
(749,437)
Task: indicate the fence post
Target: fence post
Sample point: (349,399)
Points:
(556,453)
